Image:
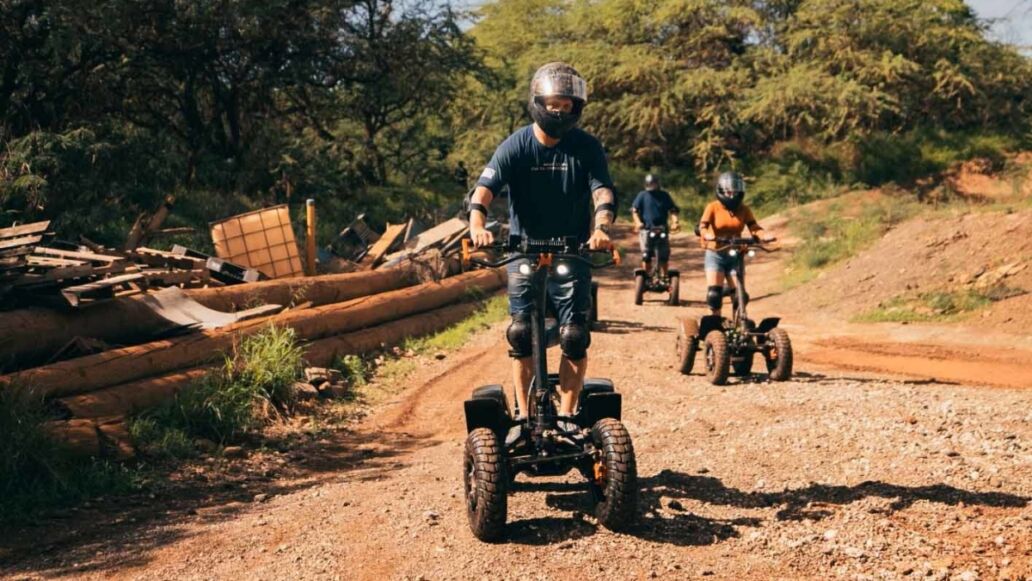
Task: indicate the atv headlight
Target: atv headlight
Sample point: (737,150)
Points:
(662,235)
(562,269)
(652,234)
(752,253)
(732,253)
(525,268)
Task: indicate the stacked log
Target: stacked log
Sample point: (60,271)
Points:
(143,394)
(31,336)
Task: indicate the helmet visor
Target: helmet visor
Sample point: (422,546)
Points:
(557,84)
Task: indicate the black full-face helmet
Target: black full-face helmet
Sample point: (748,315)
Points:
(557,80)
(651,182)
(730,190)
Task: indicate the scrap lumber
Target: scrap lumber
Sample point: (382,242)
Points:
(127,364)
(221,270)
(382,246)
(141,232)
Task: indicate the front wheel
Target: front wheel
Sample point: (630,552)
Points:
(718,359)
(486,484)
(614,481)
(639,288)
(675,291)
(779,355)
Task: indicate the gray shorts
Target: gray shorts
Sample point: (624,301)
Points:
(658,246)
(723,262)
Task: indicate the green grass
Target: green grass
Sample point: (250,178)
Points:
(36,473)
(937,306)
(228,402)
(838,233)
(384,372)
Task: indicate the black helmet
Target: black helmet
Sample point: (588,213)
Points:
(730,190)
(651,182)
(557,80)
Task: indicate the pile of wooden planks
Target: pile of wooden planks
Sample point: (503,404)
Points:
(33,273)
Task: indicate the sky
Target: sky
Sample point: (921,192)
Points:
(1011,19)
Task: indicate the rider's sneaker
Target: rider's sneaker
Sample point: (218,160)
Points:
(514,432)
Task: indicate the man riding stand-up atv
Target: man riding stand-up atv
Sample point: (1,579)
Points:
(559,190)
(651,210)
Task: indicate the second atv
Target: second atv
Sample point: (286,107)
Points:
(729,345)
(652,280)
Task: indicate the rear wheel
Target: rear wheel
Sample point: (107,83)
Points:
(779,355)
(718,360)
(614,481)
(639,288)
(687,346)
(486,484)
(675,291)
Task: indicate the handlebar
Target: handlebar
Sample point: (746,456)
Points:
(517,249)
(725,243)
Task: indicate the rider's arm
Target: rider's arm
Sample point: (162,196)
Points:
(481,198)
(754,227)
(636,213)
(675,223)
(706,224)
(605,206)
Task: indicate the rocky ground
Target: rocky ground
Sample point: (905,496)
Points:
(835,474)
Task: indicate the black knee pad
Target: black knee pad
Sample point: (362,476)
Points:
(745,297)
(714,297)
(519,336)
(574,340)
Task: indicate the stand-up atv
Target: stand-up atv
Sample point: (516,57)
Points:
(729,344)
(596,444)
(651,280)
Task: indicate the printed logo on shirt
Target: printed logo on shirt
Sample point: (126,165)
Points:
(488,173)
(551,166)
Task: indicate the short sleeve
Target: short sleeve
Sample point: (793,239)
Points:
(707,215)
(598,170)
(498,171)
(639,203)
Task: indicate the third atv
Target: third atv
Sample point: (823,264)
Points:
(730,344)
(652,280)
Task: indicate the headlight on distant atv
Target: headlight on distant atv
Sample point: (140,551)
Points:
(752,253)
(652,234)
(525,269)
(562,269)
(662,235)
(732,253)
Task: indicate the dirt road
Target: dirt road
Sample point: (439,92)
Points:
(836,474)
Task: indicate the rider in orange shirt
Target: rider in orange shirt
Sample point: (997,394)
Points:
(725,217)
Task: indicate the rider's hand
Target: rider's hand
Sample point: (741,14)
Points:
(481,236)
(599,241)
(709,237)
(675,227)
(767,239)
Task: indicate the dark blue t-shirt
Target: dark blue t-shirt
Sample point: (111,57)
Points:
(549,187)
(653,207)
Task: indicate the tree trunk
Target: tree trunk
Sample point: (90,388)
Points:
(92,372)
(148,393)
(34,335)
